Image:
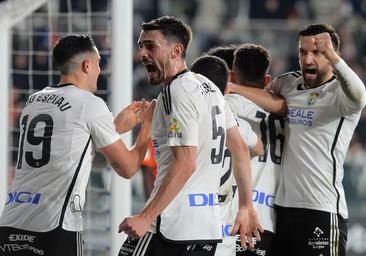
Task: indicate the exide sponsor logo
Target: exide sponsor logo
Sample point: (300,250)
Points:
(21,237)
(23,197)
(209,199)
(263,198)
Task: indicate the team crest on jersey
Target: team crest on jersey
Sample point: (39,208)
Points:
(312,98)
(174,130)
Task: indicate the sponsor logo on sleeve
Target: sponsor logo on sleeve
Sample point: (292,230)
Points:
(174,130)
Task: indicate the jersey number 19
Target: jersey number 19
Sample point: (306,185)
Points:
(34,140)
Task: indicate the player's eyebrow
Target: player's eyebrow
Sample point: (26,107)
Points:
(147,41)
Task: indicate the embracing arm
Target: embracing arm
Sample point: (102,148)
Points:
(269,102)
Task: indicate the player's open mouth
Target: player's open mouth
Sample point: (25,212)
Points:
(310,73)
(150,68)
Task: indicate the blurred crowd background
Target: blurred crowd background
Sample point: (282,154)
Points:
(272,23)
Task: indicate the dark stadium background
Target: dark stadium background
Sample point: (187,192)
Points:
(272,23)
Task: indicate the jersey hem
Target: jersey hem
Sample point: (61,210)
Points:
(312,207)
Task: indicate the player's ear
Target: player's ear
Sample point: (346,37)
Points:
(177,50)
(85,65)
(266,80)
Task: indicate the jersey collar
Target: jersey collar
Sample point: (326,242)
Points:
(61,85)
(301,87)
(174,77)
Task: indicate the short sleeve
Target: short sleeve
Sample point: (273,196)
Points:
(183,117)
(229,116)
(246,132)
(274,86)
(100,123)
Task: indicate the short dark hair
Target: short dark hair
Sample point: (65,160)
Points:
(212,67)
(251,63)
(69,46)
(172,28)
(224,52)
(316,29)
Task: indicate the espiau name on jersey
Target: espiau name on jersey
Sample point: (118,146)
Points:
(49,98)
(206,88)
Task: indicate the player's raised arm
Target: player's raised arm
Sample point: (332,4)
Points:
(124,161)
(351,84)
(128,117)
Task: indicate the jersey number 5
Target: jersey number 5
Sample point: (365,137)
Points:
(35,140)
(217,131)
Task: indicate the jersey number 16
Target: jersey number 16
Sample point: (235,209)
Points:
(274,137)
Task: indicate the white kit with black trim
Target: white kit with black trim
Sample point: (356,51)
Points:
(191,111)
(320,123)
(61,127)
(266,168)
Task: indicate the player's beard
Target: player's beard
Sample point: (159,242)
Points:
(311,83)
(155,78)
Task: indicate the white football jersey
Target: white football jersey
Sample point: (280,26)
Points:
(266,168)
(227,181)
(319,126)
(191,111)
(61,126)
(228,190)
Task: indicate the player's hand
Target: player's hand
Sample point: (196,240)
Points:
(323,43)
(247,224)
(130,116)
(134,226)
(148,111)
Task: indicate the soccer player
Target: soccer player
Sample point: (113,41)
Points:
(215,69)
(225,53)
(250,68)
(191,125)
(61,128)
(324,102)
(212,67)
